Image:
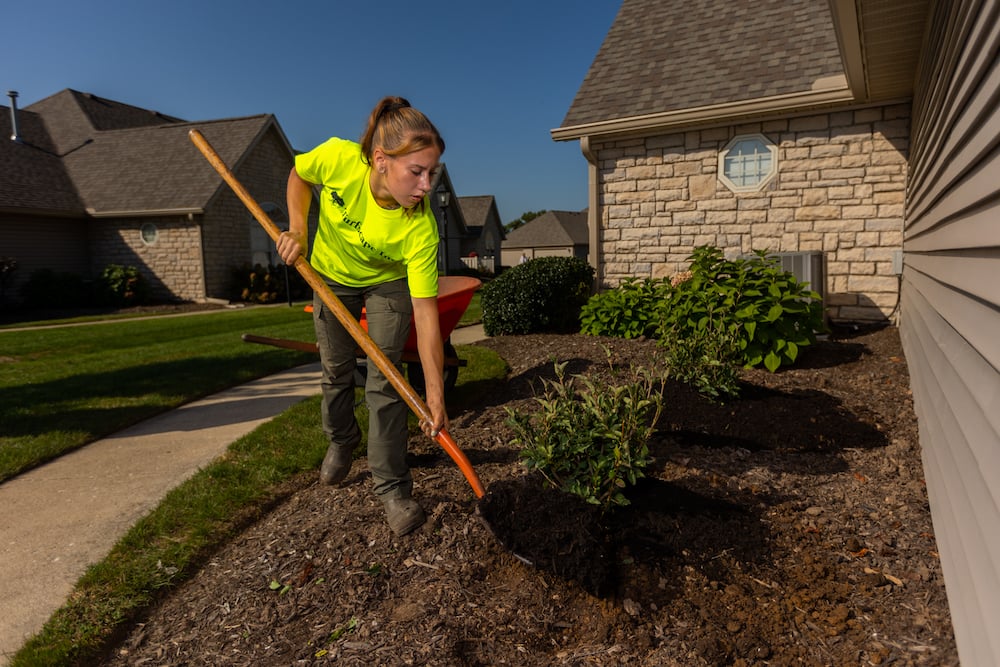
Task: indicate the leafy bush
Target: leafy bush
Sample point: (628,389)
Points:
(705,359)
(750,307)
(122,286)
(627,311)
(542,295)
(590,442)
(260,284)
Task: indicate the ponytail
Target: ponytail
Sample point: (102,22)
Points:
(398,129)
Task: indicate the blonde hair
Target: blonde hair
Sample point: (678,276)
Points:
(398,129)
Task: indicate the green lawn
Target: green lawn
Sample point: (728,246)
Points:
(64,387)
(61,387)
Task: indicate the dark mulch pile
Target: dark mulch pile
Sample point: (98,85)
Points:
(789,527)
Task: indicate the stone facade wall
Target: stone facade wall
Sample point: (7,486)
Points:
(226,242)
(839,189)
(171,265)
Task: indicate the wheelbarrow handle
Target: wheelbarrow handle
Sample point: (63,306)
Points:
(358,333)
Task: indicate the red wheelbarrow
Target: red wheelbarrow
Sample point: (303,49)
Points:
(454,295)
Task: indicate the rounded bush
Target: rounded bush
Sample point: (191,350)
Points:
(543,295)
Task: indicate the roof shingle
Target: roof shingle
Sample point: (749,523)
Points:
(667,55)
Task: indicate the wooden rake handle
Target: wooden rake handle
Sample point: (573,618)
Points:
(358,333)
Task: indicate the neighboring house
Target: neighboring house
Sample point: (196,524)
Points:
(90,182)
(467,225)
(552,234)
(485,233)
(87,182)
(865,130)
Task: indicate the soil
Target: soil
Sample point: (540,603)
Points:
(789,527)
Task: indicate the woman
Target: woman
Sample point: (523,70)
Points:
(376,246)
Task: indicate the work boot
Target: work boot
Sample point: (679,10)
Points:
(336,464)
(404,515)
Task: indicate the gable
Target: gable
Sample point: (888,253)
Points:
(157,169)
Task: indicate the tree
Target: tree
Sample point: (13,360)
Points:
(525,218)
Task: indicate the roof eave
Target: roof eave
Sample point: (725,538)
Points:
(845,25)
(716,113)
(145,213)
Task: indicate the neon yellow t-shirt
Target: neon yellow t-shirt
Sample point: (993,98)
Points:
(359,243)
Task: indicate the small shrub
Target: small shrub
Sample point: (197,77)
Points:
(122,286)
(627,311)
(705,359)
(260,284)
(542,295)
(591,442)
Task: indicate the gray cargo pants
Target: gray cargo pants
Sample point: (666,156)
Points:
(388,310)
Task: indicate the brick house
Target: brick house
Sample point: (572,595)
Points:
(683,100)
(864,130)
(90,182)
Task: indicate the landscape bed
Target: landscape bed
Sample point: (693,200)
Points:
(790,526)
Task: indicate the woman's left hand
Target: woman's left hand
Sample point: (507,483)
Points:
(439,418)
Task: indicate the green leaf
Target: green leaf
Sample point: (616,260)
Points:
(772,361)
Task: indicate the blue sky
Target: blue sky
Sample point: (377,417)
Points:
(494,77)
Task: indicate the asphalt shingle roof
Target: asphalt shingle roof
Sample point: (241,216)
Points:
(668,55)
(476,209)
(32,177)
(157,168)
(82,153)
(551,229)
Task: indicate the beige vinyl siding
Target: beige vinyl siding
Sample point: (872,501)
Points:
(951,307)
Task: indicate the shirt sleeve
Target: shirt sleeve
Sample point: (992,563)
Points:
(321,163)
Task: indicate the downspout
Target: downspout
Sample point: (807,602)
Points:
(593,212)
(14,134)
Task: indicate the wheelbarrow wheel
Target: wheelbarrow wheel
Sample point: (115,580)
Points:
(415,372)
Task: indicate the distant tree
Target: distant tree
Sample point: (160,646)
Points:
(523,220)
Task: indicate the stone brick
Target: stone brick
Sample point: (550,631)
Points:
(870,115)
(687,168)
(817,213)
(702,186)
(809,123)
(889,197)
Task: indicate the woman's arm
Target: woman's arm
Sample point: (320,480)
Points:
(298,196)
(430,346)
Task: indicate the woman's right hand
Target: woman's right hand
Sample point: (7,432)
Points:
(290,245)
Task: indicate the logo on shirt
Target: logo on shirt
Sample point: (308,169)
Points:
(338,202)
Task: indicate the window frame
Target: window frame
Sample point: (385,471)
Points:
(764,179)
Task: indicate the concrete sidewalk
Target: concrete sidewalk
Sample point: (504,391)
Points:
(60,518)
(57,520)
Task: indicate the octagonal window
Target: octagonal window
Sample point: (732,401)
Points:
(748,163)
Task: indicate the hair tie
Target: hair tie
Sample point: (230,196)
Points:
(392,106)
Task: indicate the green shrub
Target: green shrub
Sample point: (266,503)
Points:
(706,359)
(627,311)
(542,295)
(749,306)
(266,284)
(591,442)
(122,286)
